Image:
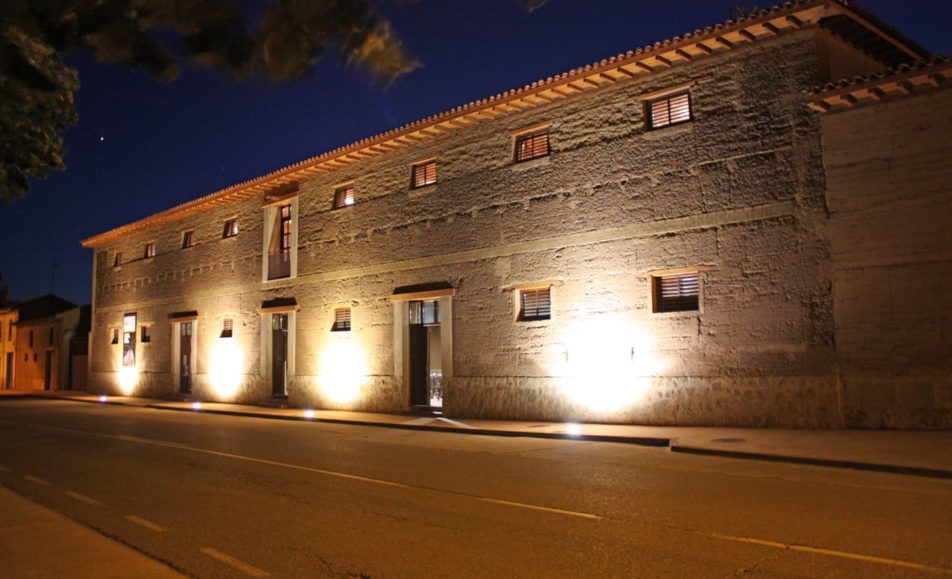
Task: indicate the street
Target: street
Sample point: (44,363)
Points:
(223,496)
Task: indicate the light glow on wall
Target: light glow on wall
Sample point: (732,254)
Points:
(226,369)
(343,367)
(605,364)
(128,378)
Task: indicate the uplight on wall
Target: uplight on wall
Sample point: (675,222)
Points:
(226,368)
(605,364)
(343,369)
(128,378)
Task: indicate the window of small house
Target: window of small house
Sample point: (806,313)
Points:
(231,228)
(341,320)
(149,250)
(532,145)
(145,334)
(676,293)
(227,328)
(344,197)
(424,174)
(117,259)
(535,304)
(188,239)
(669,110)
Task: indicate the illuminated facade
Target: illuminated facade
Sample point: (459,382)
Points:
(642,240)
(49,331)
(8,336)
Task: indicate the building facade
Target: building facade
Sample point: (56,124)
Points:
(8,336)
(46,327)
(646,239)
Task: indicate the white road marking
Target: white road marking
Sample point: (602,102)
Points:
(178,446)
(540,508)
(234,563)
(36,480)
(146,523)
(833,553)
(83,498)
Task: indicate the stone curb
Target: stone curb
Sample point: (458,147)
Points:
(826,462)
(637,440)
(671,444)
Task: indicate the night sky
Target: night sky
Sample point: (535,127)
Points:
(142,145)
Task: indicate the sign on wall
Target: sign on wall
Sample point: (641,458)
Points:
(129,341)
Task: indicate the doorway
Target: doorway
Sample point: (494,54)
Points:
(48,371)
(426,354)
(279,355)
(185,358)
(9,376)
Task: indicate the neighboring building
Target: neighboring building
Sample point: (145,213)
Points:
(647,239)
(46,327)
(887,141)
(8,336)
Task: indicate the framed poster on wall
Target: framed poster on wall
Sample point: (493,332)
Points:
(129,341)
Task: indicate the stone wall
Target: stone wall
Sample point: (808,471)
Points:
(890,199)
(737,194)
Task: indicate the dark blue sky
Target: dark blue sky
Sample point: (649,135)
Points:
(142,145)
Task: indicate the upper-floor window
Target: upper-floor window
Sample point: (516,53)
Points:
(117,259)
(424,174)
(344,197)
(676,293)
(231,228)
(669,110)
(188,239)
(115,336)
(227,327)
(341,320)
(145,334)
(279,249)
(532,145)
(535,304)
(149,250)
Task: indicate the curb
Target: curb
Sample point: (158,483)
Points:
(671,444)
(636,440)
(826,462)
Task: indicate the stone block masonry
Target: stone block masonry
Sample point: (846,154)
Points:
(736,196)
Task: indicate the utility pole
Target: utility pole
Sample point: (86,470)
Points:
(55,264)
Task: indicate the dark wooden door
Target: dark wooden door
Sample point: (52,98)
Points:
(185,358)
(279,354)
(48,371)
(9,379)
(418,366)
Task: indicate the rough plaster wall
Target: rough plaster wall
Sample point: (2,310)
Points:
(890,197)
(759,353)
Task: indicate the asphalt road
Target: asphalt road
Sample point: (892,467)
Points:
(221,496)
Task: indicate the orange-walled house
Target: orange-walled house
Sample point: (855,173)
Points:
(46,328)
(8,332)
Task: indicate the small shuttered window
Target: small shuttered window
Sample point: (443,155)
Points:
(145,334)
(341,320)
(344,197)
(149,250)
(117,260)
(231,228)
(669,110)
(227,328)
(532,145)
(535,304)
(188,239)
(677,293)
(424,174)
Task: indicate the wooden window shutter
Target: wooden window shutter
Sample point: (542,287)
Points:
(536,304)
(670,110)
(341,320)
(424,174)
(677,293)
(532,146)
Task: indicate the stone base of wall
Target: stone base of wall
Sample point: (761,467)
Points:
(914,402)
(376,394)
(779,402)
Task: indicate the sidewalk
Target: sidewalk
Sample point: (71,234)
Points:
(921,453)
(66,548)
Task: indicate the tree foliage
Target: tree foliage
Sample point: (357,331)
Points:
(282,43)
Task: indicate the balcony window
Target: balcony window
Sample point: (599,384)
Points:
(279,251)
